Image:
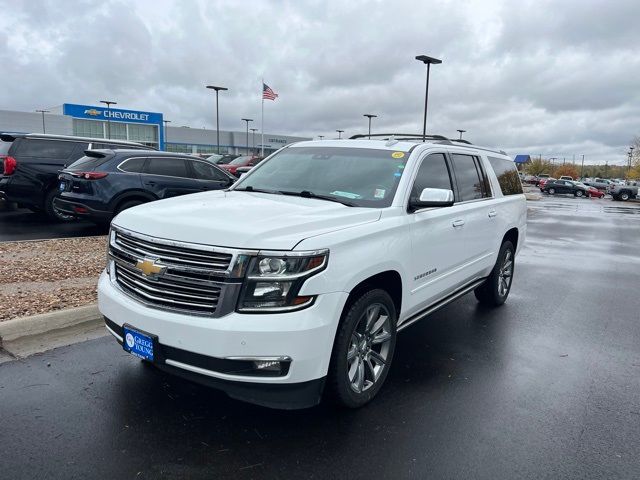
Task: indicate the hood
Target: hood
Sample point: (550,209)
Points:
(248,220)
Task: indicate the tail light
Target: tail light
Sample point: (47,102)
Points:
(90,175)
(10,165)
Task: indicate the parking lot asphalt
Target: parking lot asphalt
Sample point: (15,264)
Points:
(547,386)
(23,224)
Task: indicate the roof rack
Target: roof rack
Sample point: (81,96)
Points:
(420,137)
(404,136)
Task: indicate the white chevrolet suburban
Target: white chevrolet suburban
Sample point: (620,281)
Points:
(295,282)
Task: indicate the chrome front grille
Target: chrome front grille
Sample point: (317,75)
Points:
(193,278)
(174,257)
(167,292)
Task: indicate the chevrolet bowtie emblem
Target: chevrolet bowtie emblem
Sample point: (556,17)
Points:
(149,267)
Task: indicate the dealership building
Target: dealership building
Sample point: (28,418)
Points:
(148,128)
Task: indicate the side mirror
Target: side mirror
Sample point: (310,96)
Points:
(432,197)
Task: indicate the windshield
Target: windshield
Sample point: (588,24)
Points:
(359,176)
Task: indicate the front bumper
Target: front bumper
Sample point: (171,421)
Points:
(196,346)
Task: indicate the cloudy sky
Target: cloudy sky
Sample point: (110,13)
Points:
(558,78)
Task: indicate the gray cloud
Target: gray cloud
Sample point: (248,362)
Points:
(538,77)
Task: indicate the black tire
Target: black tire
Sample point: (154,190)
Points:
(489,293)
(615,197)
(340,388)
(52,212)
(552,191)
(624,196)
(579,193)
(128,204)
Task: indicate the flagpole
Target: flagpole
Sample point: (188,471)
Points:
(262,121)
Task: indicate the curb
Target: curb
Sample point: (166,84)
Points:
(44,322)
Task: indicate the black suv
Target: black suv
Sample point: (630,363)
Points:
(105,182)
(32,163)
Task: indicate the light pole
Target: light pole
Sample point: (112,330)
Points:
(370,116)
(217,89)
(108,103)
(43,112)
(339,134)
(582,167)
(253,139)
(630,159)
(165,133)
(461,132)
(247,120)
(427,61)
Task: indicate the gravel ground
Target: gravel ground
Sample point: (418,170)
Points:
(40,276)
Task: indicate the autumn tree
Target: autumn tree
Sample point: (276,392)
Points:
(568,169)
(538,166)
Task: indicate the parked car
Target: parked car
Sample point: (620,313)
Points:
(599,183)
(243,161)
(32,164)
(543,181)
(222,159)
(338,249)
(566,177)
(542,177)
(240,171)
(591,191)
(623,192)
(105,182)
(553,187)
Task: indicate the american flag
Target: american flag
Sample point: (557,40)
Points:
(268,93)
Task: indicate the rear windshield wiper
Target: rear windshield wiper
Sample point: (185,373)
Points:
(249,188)
(308,194)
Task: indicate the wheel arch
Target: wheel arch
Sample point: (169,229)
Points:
(130,195)
(512,235)
(388,280)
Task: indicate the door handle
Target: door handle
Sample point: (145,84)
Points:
(492,213)
(151,184)
(458,223)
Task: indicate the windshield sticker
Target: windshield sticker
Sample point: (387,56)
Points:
(397,174)
(379,193)
(353,196)
(397,154)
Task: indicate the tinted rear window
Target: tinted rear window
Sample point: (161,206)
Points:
(4,147)
(133,165)
(470,179)
(507,174)
(41,148)
(87,164)
(170,167)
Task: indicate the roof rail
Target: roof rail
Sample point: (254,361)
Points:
(405,136)
(460,140)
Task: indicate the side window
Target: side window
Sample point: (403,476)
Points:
(133,165)
(507,174)
(45,148)
(167,166)
(433,173)
(470,178)
(204,171)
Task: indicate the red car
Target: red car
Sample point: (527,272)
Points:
(244,161)
(543,181)
(592,191)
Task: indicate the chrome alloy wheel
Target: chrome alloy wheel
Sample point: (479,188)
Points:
(368,352)
(506,274)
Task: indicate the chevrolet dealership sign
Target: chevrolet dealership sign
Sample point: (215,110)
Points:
(113,114)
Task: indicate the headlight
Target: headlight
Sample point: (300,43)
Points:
(274,280)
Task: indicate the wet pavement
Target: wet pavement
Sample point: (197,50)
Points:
(547,386)
(23,224)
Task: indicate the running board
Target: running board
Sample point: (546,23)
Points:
(441,303)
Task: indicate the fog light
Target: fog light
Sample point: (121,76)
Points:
(269,365)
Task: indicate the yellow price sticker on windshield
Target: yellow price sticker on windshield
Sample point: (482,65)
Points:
(397,154)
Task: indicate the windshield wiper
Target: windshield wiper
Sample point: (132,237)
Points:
(308,194)
(249,188)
